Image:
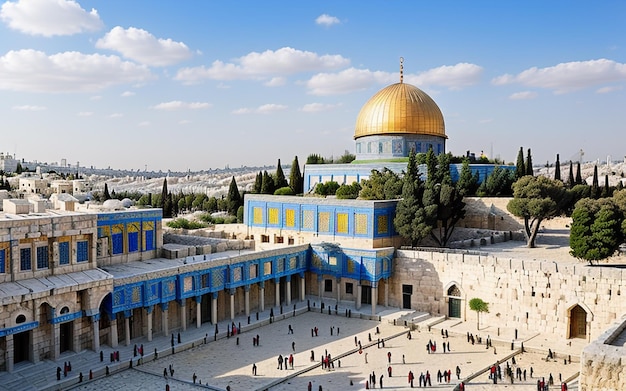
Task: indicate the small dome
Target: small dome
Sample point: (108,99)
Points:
(400,109)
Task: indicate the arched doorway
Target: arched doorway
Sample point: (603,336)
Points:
(577,322)
(66,331)
(454,302)
(21,342)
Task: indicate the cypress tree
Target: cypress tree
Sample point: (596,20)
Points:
(280,177)
(431,165)
(606,190)
(163,195)
(595,187)
(520,169)
(258,182)
(267,186)
(295,177)
(234,198)
(579,178)
(570,180)
(106,195)
(529,163)
(557,168)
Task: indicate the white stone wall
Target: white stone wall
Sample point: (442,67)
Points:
(524,294)
(602,366)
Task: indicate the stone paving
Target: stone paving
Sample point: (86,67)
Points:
(225,363)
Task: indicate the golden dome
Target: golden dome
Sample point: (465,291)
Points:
(400,109)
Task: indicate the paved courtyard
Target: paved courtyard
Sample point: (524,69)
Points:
(224,363)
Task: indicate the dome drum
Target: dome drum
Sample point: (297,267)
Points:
(397,146)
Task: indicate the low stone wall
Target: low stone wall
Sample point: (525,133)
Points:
(602,367)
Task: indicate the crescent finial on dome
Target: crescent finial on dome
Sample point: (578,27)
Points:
(401,69)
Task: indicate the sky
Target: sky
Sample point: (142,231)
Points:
(194,85)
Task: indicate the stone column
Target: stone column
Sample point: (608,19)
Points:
(232,304)
(56,340)
(149,315)
(302,287)
(288,291)
(127,327)
(277,291)
(262,297)
(95,321)
(359,293)
(387,293)
(338,290)
(214,307)
(10,350)
(165,318)
(374,299)
(246,293)
(113,332)
(183,314)
(198,311)
(319,288)
(76,336)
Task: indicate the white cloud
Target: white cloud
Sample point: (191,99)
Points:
(141,46)
(523,95)
(126,94)
(35,71)
(263,109)
(85,114)
(569,76)
(606,90)
(116,115)
(352,79)
(317,107)
(486,121)
(259,66)
(95,97)
(49,17)
(144,123)
(346,81)
(29,108)
(179,105)
(453,77)
(327,20)
(276,82)
(184,122)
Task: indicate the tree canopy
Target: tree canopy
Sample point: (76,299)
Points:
(479,306)
(536,199)
(596,230)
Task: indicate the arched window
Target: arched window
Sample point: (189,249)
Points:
(20,319)
(65,310)
(454,291)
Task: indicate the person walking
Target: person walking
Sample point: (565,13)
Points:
(389,357)
(254,369)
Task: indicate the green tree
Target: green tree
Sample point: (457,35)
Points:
(106,195)
(385,185)
(267,186)
(497,183)
(479,306)
(557,168)
(240,214)
(579,178)
(295,177)
(163,196)
(326,188)
(314,159)
(280,180)
(413,221)
(536,199)
(233,198)
(596,230)
(468,182)
(595,187)
(258,183)
(346,158)
(348,191)
(571,180)
(529,163)
(19,169)
(431,166)
(520,168)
